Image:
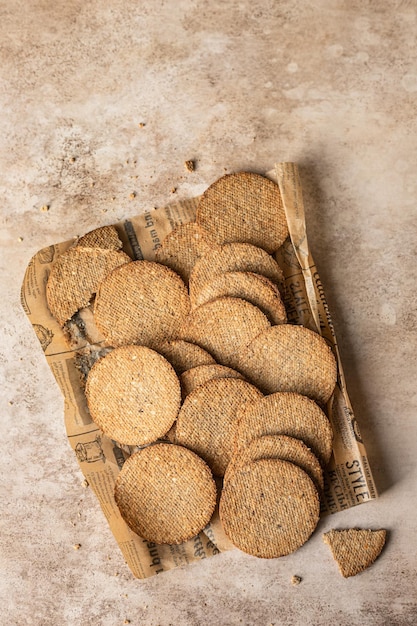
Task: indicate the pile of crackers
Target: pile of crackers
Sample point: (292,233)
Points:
(224,399)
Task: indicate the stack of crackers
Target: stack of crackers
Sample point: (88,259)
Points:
(204,374)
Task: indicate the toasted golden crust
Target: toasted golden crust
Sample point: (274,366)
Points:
(142,303)
(133,395)
(165,493)
(286,414)
(354,550)
(269,508)
(207,419)
(76,276)
(244,207)
(290,358)
(224,327)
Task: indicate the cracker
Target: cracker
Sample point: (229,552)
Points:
(197,376)
(76,276)
(279,447)
(133,395)
(253,288)
(290,358)
(182,247)
(105,237)
(224,327)
(184,355)
(286,414)
(244,207)
(143,302)
(234,257)
(165,493)
(207,419)
(269,508)
(354,550)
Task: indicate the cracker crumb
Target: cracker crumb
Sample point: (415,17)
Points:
(44,208)
(20,239)
(189,166)
(72,160)
(127,621)
(141,124)
(295,580)
(76,546)
(85,483)
(132,196)
(173,190)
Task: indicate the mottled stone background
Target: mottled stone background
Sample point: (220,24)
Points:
(101,100)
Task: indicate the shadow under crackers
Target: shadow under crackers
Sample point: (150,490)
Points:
(322,231)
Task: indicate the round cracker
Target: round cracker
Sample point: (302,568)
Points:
(290,358)
(253,288)
(286,414)
(182,247)
(184,355)
(279,447)
(224,327)
(165,493)
(133,395)
(197,376)
(76,276)
(143,303)
(207,419)
(234,257)
(244,207)
(269,508)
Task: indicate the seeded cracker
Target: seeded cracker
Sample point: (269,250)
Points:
(76,276)
(184,355)
(165,493)
(253,288)
(105,237)
(133,395)
(269,508)
(193,378)
(286,414)
(143,303)
(234,257)
(354,550)
(244,207)
(182,247)
(279,447)
(290,358)
(207,419)
(224,327)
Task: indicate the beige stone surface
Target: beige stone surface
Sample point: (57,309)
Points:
(232,86)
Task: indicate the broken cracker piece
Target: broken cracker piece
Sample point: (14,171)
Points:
(105,237)
(354,550)
(75,278)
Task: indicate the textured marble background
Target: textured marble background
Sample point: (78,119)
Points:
(233,85)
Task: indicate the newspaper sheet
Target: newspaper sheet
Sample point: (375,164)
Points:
(70,354)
